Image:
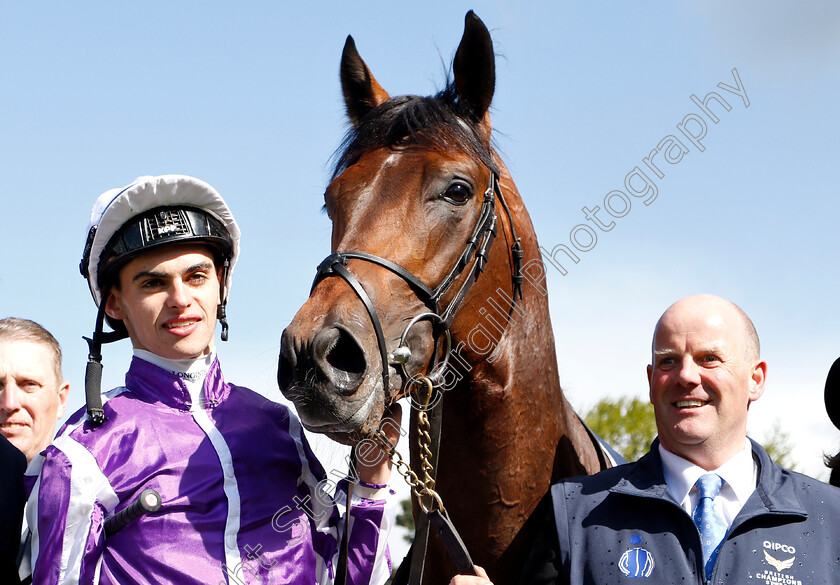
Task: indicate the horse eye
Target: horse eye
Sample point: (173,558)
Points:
(326,211)
(457,193)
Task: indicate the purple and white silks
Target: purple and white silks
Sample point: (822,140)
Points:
(245,500)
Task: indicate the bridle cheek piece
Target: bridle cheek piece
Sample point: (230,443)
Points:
(476,250)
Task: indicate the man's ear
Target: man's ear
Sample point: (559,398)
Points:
(757,380)
(649,376)
(112,305)
(63,394)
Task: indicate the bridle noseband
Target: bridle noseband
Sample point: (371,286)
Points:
(477,250)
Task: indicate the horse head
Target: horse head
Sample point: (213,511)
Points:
(410,190)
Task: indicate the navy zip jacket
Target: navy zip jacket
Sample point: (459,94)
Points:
(623,523)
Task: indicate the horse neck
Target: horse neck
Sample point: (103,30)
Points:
(505,345)
(507,430)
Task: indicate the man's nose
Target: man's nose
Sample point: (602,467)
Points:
(689,373)
(179,294)
(9,397)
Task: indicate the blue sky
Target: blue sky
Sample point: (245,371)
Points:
(247,97)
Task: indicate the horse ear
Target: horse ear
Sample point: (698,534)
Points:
(361,91)
(475,68)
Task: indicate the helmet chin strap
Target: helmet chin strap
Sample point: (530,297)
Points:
(222,317)
(221,313)
(93,371)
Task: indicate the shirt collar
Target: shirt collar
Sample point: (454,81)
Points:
(157,382)
(192,371)
(187,367)
(740,474)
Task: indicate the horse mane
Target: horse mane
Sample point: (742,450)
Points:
(439,122)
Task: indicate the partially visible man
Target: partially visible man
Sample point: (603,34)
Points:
(33,396)
(705,504)
(33,393)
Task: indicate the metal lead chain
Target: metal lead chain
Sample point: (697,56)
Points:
(423,488)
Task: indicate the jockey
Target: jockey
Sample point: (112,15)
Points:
(244,499)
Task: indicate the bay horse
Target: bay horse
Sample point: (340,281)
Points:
(409,189)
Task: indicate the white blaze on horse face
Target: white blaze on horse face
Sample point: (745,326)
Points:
(356,201)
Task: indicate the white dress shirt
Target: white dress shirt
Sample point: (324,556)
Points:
(740,476)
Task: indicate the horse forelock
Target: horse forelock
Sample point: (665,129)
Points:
(439,123)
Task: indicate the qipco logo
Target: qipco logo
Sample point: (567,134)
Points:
(777,546)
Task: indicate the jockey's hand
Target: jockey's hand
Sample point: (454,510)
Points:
(373,464)
(482,578)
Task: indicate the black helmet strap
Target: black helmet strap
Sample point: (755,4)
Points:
(221,312)
(93,371)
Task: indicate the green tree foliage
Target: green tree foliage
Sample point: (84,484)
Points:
(777,444)
(626,424)
(406,519)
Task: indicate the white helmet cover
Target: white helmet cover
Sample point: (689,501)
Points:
(116,207)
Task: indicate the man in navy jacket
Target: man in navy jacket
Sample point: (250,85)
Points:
(636,520)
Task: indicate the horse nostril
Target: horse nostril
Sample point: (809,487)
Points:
(346,355)
(340,357)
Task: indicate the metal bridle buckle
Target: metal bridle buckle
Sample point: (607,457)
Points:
(400,356)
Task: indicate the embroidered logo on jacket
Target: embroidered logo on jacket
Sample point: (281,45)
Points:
(636,562)
(767,576)
(779,565)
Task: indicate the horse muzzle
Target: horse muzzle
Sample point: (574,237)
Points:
(326,374)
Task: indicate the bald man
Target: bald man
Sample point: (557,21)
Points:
(705,504)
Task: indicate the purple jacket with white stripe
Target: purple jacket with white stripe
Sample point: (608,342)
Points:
(245,500)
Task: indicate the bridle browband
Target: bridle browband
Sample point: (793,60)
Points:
(476,250)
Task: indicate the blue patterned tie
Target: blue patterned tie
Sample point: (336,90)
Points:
(711,525)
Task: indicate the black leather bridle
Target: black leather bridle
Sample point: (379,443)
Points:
(477,250)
